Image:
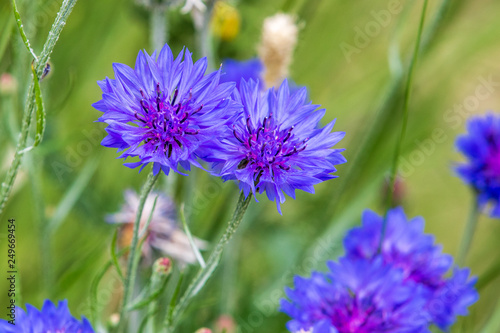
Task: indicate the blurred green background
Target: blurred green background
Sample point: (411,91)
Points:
(269,249)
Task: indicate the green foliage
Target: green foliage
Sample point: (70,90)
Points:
(80,181)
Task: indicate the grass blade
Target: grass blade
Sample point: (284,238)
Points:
(114,257)
(196,251)
(406,104)
(73,193)
(95,285)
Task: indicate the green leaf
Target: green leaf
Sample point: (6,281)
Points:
(40,112)
(73,193)
(95,286)
(173,301)
(150,294)
(114,257)
(196,251)
(144,230)
(493,324)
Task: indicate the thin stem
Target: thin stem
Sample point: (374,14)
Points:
(21,30)
(406,103)
(30,106)
(468,234)
(213,261)
(133,255)
(158,26)
(383,114)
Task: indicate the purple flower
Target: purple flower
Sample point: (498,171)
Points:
(49,319)
(276,146)
(359,296)
(165,110)
(234,71)
(164,233)
(406,247)
(481,146)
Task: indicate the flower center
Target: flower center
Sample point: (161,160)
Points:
(268,147)
(166,119)
(492,165)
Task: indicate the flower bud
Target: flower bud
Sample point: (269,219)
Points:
(226,324)
(162,266)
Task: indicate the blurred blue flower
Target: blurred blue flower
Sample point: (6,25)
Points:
(276,146)
(481,146)
(49,319)
(359,296)
(164,110)
(234,71)
(406,247)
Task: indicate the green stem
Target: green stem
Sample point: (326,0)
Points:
(383,115)
(406,103)
(134,252)
(30,106)
(468,234)
(213,261)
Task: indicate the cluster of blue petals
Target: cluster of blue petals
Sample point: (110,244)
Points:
(51,318)
(406,252)
(165,110)
(276,145)
(481,147)
(359,296)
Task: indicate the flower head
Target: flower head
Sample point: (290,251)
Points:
(481,146)
(276,145)
(359,296)
(51,318)
(405,246)
(165,110)
(164,233)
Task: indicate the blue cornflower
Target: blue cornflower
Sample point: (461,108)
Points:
(49,319)
(165,110)
(275,145)
(234,71)
(359,296)
(406,247)
(481,146)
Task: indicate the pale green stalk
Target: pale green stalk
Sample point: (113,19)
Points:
(158,29)
(212,263)
(134,252)
(204,35)
(6,187)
